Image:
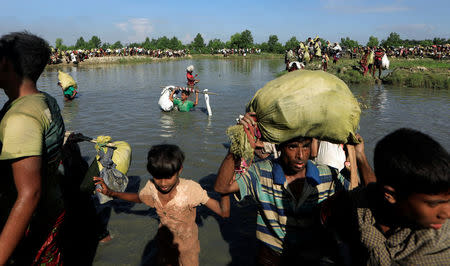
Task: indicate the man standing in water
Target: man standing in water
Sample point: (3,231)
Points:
(288,191)
(184,105)
(191,81)
(31,137)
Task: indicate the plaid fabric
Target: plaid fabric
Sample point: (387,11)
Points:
(279,211)
(406,246)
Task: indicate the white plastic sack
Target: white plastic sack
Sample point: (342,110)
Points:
(385,62)
(164,101)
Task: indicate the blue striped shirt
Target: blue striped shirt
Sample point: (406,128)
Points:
(278,209)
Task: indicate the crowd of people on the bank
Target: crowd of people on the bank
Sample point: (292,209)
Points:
(310,51)
(311,211)
(241,51)
(77,56)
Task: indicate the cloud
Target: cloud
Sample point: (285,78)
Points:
(355,7)
(140,28)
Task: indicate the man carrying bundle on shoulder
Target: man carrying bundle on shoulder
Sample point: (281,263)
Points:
(68,85)
(289,189)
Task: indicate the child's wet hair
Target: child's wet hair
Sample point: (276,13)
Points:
(186,92)
(165,160)
(412,162)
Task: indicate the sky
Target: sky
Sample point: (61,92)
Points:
(134,20)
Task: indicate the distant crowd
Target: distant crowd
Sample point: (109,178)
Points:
(76,56)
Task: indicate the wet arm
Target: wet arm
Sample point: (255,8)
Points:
(171,95)
(133,197)
(196,98)
(27,178)
(365,171)
(224,182)
(222,208)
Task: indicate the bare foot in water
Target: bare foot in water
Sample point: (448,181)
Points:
(106,239)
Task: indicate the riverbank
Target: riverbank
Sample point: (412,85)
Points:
(138,59)
(418,73)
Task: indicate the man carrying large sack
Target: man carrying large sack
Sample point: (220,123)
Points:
(290,111)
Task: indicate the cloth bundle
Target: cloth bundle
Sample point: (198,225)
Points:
(301,103)
(66,80)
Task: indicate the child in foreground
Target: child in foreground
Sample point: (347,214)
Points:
(175,200)
(402,218)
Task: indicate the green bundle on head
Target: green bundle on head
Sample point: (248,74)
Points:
(301,103)
(240,146)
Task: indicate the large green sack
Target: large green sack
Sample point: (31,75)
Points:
(306,103)
(66,80)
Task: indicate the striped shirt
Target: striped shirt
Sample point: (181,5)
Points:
(279,211)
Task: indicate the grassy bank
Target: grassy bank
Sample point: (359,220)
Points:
(426,73)
(420,73)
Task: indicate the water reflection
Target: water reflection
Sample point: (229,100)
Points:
(70,110)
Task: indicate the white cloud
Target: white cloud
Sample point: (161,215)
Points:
(410,31)
(140,28)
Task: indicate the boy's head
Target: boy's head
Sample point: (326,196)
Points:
(164,163)
(414,171)
(185,95)
(28,54)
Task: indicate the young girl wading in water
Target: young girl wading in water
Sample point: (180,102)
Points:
(175,200)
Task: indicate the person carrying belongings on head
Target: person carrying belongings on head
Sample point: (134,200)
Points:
(183,104)
(289,111)
(191,81)
(68,85)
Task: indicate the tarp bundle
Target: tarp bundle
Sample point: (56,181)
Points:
(66,80)
(113,164)
(301,103)
(164,101)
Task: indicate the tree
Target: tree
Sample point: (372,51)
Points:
(246,39)
(106,45)
(80,44)
(349,43)
(198,42)
(392,40)
(175,44)
(439,41)
(373,41)
(94,42)
(274,46)
(235,41)
(146,44)
(58,43)
(162,43)
(117,45)
(215,44)
(292,44)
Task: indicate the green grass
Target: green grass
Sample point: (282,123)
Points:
(426,62)
(426,79)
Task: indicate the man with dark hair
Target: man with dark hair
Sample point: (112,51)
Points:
(402,218)
(183,104)
(288,191)
(31,136)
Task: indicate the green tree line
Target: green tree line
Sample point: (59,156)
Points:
(239,40)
